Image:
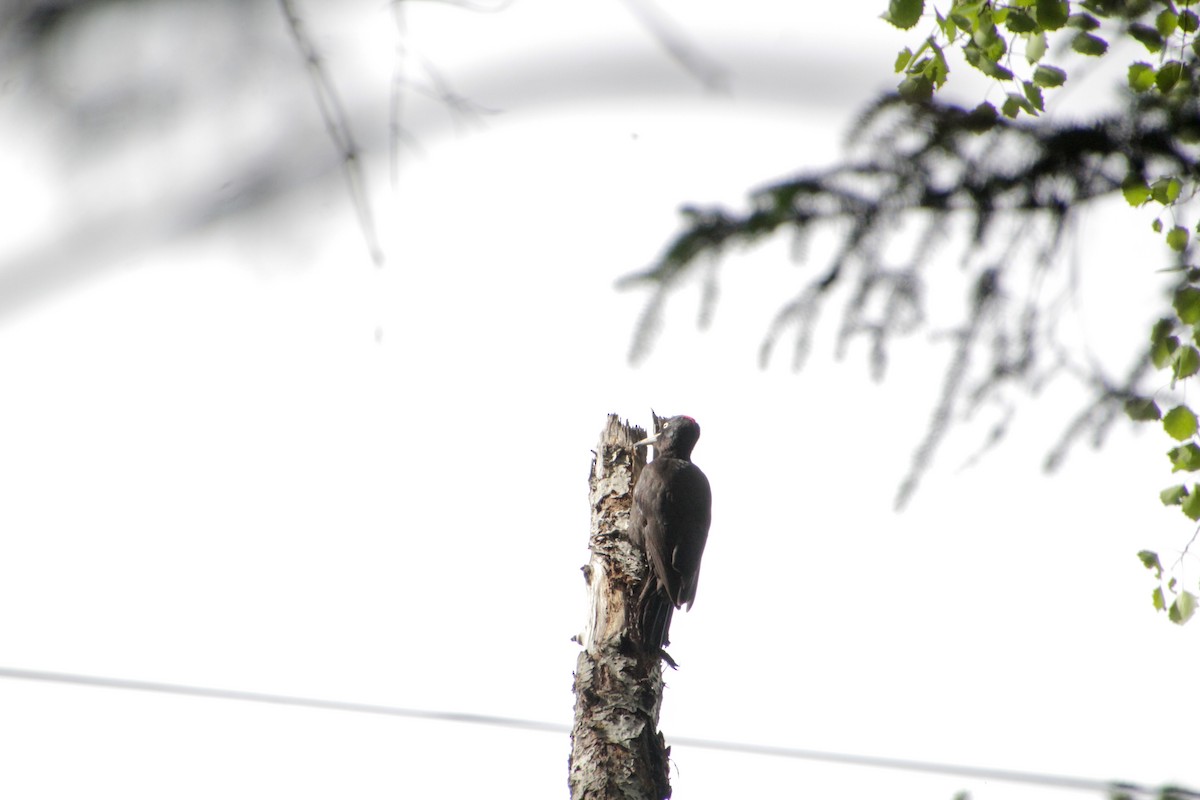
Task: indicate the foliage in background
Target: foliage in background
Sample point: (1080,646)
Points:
(988,33)
(1019,180)
(1125,791)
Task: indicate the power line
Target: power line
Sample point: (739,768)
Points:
(984,773)
(278,699)
(957,770)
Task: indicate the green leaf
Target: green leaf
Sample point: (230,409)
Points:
(972,53)
(996,48)
(1185,458)
(1015,104)
(993,70)
(1188,22)
(1052,14)
(1166,22)
(1142,409)
(1172,497)
(916,89)
(1166,190)
(968,12)
(904,13)
(1048,76)
(946,26)
(1163,352)
(1177,238)
(903,59)
(1180,423)
(1157,598)
(937,69)
(1034,95)
(1149,560)
(1187,304)
(1150,37)
(1187,362)
(1168,75)
(1035,47)
(1135,189)
(986,35)
(1020,22)
(1141,76)
(1161,330)
(1084,22)
(1191,506)
(1089,45)
(1183,608)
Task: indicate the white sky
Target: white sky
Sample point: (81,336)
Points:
(215,475)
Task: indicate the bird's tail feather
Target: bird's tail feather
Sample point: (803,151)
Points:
(655,619)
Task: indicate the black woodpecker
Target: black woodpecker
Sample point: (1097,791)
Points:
(672,508)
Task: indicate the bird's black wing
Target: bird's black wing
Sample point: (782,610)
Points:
(692,497)
(672,510)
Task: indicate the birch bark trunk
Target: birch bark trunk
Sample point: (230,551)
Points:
(617,752)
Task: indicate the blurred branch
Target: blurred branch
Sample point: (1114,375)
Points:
(928,167)
(670,37)
(338,126)
(91,245)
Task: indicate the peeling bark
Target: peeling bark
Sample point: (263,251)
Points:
(617,751)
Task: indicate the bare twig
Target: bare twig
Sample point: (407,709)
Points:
(337,123)
(712,76)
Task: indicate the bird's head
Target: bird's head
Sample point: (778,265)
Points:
(675,438)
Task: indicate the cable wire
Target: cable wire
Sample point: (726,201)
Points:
(278,699)
(958,770)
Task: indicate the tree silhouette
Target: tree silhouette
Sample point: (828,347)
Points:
(916,167)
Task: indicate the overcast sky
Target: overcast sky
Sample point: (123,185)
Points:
(235,454)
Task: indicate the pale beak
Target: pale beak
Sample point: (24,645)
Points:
(648,440)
